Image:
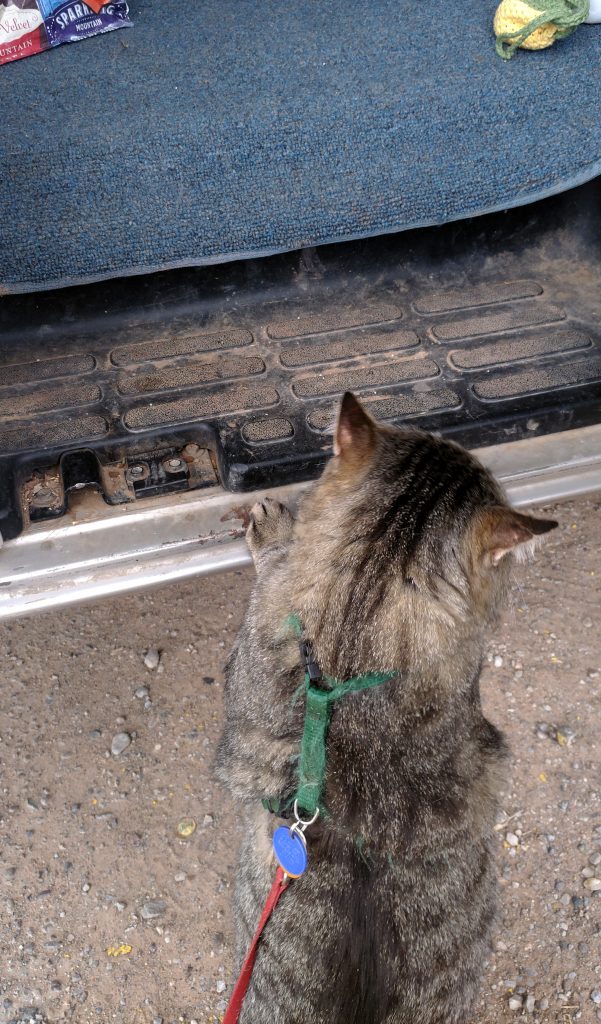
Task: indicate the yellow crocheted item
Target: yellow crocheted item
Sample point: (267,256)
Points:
(513,15)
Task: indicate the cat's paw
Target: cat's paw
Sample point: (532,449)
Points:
(270,526)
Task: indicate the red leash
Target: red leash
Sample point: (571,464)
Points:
(232,1014)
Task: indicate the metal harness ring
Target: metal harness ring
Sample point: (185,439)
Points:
(300,822)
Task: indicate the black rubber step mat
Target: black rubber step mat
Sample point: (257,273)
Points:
(486,331)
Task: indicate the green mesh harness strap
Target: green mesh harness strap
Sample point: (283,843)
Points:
(318,711)
(566,14)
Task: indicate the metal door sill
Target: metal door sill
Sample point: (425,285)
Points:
(97,550)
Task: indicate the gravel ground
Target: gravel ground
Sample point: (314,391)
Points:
(108,913)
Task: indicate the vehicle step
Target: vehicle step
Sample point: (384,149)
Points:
(486,331)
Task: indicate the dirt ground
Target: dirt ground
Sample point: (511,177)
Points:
(108,914)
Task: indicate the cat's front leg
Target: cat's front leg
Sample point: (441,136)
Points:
(269,531)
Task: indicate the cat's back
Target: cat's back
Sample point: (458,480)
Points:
(368,939)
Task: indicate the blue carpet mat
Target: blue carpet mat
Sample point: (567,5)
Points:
(224,129)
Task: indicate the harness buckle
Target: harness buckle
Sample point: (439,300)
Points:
(311,665)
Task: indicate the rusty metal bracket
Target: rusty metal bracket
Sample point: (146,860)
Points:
(45,494)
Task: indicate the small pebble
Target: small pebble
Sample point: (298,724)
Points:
(498,661)
(594,884)
(110,819)
(207,820)
(186,828)
(515,1003)
(596,996)
(530,1004)
(142,692)
(594,859)
(119,743)
(152,909)
(512,839)
(564,735)
(152,658)
(220,986)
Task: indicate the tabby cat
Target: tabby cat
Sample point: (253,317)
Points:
(399,560)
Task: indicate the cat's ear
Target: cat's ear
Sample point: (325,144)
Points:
(502,530)
(356,432)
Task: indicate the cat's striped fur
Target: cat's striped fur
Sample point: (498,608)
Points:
(398,560)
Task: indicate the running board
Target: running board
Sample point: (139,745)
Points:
(97,550)
(486,331)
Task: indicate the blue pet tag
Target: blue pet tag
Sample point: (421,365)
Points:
(290,851)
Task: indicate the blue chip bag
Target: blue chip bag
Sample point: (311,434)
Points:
(30,26)
(68,22)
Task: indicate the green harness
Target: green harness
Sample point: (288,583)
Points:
(321,693)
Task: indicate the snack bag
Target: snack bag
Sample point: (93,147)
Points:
(29,26)
(22,30)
